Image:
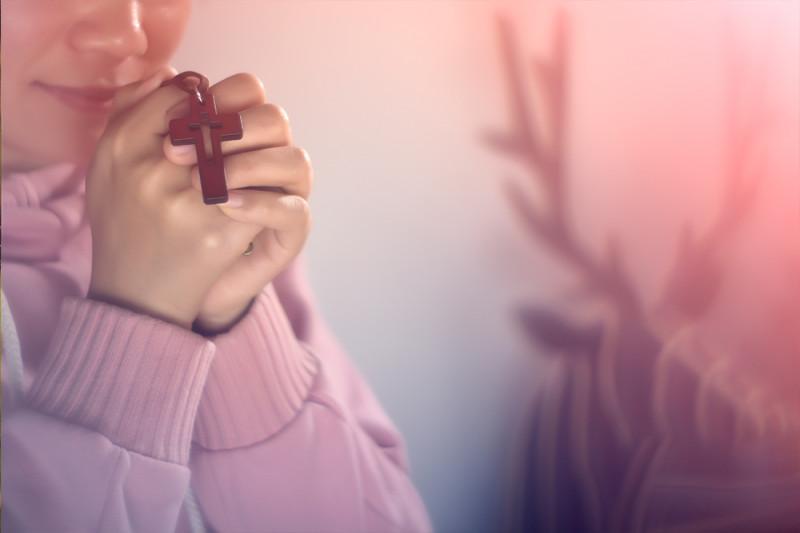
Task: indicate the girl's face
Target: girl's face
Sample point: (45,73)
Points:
(61,63)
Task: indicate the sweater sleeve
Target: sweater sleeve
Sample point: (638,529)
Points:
(100,440)
(289,436)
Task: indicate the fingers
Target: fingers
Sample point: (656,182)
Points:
(238,92)
(132,93)
(264,126)
(231,95)
(288,215)
(151,117)
(286,167)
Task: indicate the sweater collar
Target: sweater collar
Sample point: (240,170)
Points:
(41,210)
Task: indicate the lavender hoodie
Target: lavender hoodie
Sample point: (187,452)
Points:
(120,415)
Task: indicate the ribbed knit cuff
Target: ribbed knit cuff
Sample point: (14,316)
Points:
(133,378)
(259,380)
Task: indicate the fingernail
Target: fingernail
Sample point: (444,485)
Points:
(235,199)
(183,150)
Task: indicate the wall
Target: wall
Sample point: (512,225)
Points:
(414,255)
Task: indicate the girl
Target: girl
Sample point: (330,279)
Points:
(160,372)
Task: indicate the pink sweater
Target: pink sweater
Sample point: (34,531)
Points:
(270,423)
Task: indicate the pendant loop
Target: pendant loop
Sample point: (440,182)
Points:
(198,89)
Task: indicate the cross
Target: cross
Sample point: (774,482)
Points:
(190,130)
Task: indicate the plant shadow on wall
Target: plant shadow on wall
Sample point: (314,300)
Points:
(641,425)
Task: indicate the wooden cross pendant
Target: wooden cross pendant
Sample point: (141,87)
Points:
(202,124)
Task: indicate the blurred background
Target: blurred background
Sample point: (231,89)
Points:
(641,111)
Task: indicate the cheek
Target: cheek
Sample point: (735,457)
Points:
(31,29)
(164,26)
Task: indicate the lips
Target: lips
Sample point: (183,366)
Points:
(91,99)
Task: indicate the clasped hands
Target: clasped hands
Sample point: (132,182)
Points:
(264,157)
(157,248)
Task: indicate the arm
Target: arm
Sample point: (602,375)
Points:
(100,440)
(289,434)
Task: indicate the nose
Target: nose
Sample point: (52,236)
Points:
(113,29)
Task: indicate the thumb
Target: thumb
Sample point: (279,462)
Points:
(132,93)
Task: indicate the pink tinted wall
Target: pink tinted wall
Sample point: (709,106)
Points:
(415,255)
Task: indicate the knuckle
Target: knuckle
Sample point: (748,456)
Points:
(304,169)
(171,212)
(298,206)
(147,190)
(176,209)
(212,240)
(271,121)
(276,120)
(166,217)
(302,158)
(149,184)
(119,144)
(284,115)
(255,83)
